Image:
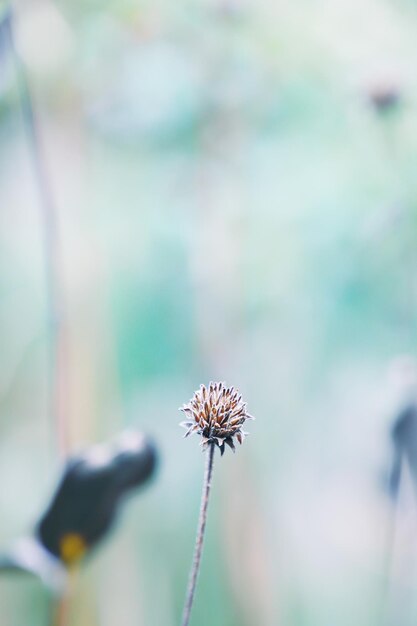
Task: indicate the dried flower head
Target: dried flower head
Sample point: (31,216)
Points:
(217,413)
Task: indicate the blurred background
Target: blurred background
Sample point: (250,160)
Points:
(216,190)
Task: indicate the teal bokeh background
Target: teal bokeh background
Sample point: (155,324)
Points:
(231,204)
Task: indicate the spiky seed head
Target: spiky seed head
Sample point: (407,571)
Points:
(216,413)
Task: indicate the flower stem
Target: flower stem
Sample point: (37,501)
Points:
(61,607)
(57,344)
(200,536)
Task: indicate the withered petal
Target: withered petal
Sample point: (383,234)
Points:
(230,443)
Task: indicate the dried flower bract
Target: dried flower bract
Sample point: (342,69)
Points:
(217,413)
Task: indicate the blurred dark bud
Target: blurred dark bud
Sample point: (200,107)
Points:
(88,497)
(385,97)
(404,437)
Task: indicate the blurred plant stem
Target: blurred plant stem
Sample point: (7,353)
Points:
(200,536)
(400,553)
(62,604)
(57,344)
(383,617)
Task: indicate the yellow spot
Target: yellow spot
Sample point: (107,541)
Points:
(72,547)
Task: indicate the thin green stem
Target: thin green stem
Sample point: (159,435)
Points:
(200,536)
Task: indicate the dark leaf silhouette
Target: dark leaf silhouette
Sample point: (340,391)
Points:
(404,437)
(87,500)
(83,508)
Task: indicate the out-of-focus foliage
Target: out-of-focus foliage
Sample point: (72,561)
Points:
(233,204)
